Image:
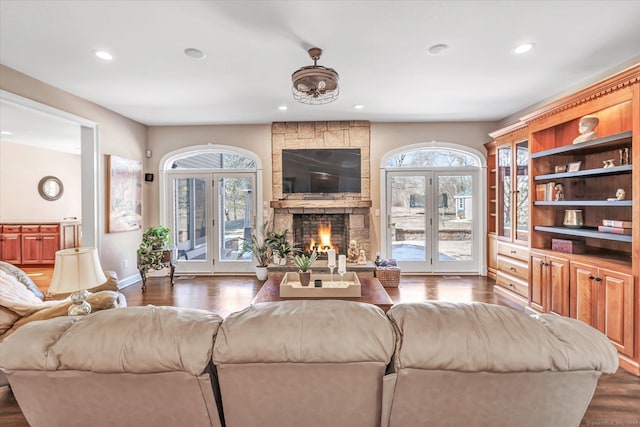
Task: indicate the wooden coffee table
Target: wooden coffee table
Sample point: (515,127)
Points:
(372,292)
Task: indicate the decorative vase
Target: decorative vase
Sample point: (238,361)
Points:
(305,277)
(282,260)
(573,218)
(262,273)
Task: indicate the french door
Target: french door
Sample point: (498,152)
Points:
(430,225)
(210,214)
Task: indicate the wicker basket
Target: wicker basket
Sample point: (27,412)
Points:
(388,277)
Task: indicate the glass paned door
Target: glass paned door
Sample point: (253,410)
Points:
(504,191)
(522,191)
(190,196)
(455,245)
(235,220)
(433,219)
(407,232)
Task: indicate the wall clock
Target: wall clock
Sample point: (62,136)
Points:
(50,188)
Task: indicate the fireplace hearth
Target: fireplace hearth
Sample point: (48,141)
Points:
(321,232)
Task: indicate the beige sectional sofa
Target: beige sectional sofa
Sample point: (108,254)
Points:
(307,363)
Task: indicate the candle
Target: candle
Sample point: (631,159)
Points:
(332,257)
(342,263)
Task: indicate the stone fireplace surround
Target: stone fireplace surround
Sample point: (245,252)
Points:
(356,214)
(355,207)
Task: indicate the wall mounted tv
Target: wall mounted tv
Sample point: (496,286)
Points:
(335,170)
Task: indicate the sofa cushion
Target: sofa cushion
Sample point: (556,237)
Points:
(473,337)
(7,319)
(325,331)
(131,339)
(110,285)
(22,277)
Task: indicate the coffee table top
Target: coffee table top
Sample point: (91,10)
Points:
(372,292)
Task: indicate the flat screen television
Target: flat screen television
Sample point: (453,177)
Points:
(322,170)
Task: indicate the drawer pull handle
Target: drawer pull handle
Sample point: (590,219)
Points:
(513,252)
(512,268)
(598,279)
(511,284)
(591,277)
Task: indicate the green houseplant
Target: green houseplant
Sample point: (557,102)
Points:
(261,251)
(151,250)
(281,248)
(304,262)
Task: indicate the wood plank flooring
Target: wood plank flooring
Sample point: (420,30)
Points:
(616,400)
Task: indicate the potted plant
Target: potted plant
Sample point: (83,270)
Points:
(280,246)
(304,261)
(257,246)
(152,251)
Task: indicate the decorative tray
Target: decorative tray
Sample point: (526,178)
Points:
(349,286)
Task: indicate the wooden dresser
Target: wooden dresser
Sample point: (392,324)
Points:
(36,243)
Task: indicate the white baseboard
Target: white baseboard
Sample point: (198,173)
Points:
(128,281)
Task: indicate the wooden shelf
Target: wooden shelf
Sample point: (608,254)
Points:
(617,203)
(616,170)
(584,232)
(606,143)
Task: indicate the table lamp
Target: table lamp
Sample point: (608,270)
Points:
(75,271)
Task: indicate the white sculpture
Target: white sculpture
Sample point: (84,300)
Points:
(586,128)
(362,258)
(352,252)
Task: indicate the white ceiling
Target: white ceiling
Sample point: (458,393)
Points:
(379,48)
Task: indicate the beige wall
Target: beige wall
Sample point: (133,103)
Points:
(21,168)
(116,134)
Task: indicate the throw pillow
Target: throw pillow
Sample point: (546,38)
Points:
(7,319)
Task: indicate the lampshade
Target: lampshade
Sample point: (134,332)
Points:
(76,270)
(315,84)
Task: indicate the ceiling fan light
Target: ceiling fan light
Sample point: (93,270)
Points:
(315,84)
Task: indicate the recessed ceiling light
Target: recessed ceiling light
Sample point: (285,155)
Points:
(358,106)
(438,49)
(194,53)
(5,132)
(525,47)
(282,108)
(103,54)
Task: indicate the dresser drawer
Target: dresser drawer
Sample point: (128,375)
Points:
(49,228)
(30,228)
(513,267)
(513,251)
(10,228)
(513,284)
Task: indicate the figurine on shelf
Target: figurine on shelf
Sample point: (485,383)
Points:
(352,252)
(607,163)
(620,194)
(586,128)
(362,258)
(559,192)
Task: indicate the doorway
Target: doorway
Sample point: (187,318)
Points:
(211,208)
(432,219)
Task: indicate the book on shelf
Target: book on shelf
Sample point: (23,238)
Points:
(616,223)
(614,230)
(546,192)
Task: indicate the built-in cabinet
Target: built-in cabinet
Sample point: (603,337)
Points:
(37,244)
(508,212)
(577,269)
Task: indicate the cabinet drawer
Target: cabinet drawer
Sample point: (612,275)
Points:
(514,267)
(10,228)
(513,284)
(513,251)
(30,228)
(49,228)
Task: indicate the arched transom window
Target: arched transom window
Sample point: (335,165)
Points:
(431,158)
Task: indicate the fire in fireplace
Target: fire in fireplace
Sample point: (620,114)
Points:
(320,232)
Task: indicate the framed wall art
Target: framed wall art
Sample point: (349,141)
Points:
(124,194)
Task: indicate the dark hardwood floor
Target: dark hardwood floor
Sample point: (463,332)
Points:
(616,401)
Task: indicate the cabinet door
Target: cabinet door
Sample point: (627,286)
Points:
(536,281)
(615,308)
(584,293)
(504,192)
(493,252)
(10,248)
(521,199)
(558,302)
(31,249)
(50,245)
